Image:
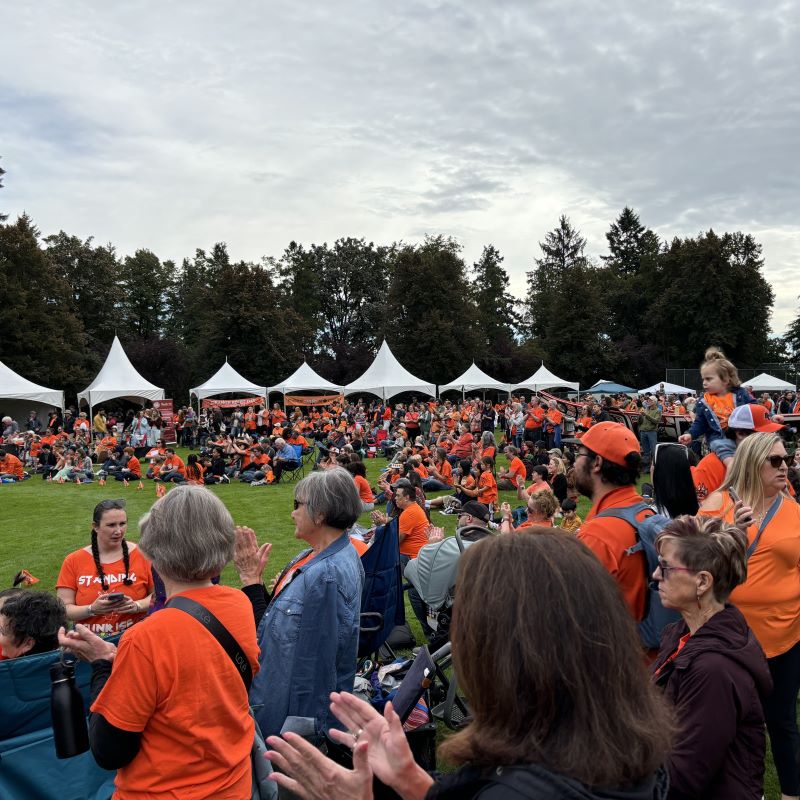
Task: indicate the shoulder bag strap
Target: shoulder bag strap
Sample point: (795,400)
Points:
(219,632)
(773,510)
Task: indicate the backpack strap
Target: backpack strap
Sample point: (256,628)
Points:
(630,514)
(219,632)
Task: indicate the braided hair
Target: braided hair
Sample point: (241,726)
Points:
(97,516)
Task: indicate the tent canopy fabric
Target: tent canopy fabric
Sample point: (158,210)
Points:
(544,379)
(304,379)
(15,387)
(768,383)
(609,387)
(474,378)
(386,377)
(118,378)
(668,388)
(227,380)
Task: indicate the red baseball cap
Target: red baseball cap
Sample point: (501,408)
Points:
(752,417)
(611,440)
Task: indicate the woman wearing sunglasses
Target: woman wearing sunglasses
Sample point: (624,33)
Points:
(308,622)
(754,497)
(710,665)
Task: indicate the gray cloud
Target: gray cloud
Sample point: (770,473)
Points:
(176,126)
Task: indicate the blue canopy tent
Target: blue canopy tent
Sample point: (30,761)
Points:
(29,767)
(609,387)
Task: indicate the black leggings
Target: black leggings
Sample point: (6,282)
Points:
(780,710)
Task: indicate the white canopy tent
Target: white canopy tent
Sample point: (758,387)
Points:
(473,378)
(668,388)
(544,379)
(304,379)
(18,394)
(768,383)
(226,379)
(118,378)
(386,377)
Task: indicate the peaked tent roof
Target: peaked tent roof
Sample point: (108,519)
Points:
(386,377)
(669,388)
(15,387)
(227,379)
(768,383)
(304,379)
(474,378)
(609,387)
(118,378)
(544,379)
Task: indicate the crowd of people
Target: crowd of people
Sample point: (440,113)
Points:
(550,614)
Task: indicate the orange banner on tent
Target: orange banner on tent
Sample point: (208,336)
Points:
(315,400)
(240,403)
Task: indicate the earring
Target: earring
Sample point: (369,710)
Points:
(698,599)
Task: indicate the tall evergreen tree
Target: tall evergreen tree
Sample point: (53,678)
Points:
(497,318)
(145,282)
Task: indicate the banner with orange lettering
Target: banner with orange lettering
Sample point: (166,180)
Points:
(318,400)
(240,403)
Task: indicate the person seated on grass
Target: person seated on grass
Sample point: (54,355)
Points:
(539,509)
(440,473)
(132,471)
(10,468)
(29,623)
(216,469)
(358,470)
(173,470)
(464,481)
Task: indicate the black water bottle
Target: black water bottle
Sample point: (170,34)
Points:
(70,733)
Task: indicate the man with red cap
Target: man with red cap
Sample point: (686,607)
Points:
(606,469)
(744,420)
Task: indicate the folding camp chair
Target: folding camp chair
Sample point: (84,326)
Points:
(300,469)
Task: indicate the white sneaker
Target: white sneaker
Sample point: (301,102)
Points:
(258,483)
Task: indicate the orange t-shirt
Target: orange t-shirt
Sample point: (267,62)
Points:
(446,471)
(290,573)
(361,547)
(11,465)
(79,573)
(487,488)
(364,489)
(536,418)
(422,471)
(769,598)
(708,476)
(517,469)
(554,416)
(175,463)
(176,686)
(414,524)
(134,466)
(609,538)
(722,405)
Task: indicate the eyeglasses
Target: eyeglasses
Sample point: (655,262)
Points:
(776,461)
(584,455)
(666,568)
(298,503)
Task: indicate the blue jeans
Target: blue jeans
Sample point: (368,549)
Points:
(432,485)
(648,440)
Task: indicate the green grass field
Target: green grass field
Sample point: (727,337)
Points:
(41,522)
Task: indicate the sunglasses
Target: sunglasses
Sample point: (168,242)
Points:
(776,461)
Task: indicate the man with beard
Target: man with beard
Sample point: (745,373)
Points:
(606,469)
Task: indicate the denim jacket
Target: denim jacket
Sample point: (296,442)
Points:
(308,639)
(705,420)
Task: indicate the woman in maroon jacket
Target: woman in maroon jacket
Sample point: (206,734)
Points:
(710,665)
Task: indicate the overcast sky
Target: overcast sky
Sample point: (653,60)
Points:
(175,125)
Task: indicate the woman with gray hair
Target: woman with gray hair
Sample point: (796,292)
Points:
(169,706)
(308,625)
(710,664)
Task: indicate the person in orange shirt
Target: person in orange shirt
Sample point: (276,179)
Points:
(485,491)
(554,424)
(413,525)
(534,420)
(509,478)
(10,468)
(132,469)
(540,507)
(606,469)
(359,473)
(169,691)
(173,469)
(440,473)
(769,598)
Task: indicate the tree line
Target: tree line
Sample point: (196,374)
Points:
(645,305)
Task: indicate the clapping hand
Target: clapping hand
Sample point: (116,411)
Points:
(249,558)
(379,518)
(435,534)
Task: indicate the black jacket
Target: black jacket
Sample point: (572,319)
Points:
(534,782)
(717,683)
